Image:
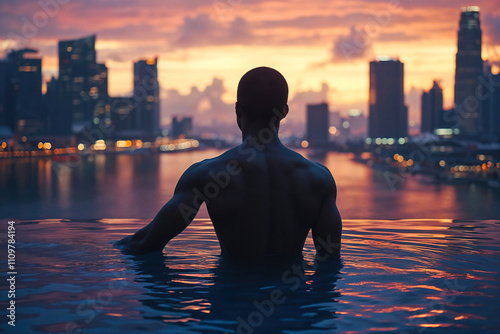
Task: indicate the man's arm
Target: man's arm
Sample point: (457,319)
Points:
(172,218)
(327,230)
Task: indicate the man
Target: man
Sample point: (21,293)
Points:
(262,197)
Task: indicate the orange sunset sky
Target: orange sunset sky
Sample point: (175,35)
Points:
(204,47)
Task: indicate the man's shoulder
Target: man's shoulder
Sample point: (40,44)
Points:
(318,174)
(227,160)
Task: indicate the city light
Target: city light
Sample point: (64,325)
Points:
(304,144)
(99,145)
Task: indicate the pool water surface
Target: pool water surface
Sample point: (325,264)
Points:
(397,276)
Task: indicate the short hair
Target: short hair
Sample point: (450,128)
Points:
(261,90)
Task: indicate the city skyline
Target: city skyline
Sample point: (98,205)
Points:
(310,39)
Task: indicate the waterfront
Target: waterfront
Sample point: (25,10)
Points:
(137,185)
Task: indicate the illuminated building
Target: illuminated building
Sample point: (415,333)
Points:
(432,109)
(317,124)
(388,114)
(122,117)
(82,85)
(469,67)
(146,96)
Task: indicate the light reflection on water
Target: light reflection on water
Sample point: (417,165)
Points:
(137,186)
(397,275)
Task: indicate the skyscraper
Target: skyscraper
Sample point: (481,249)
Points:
(469,66)
(490,105)
(81,85)
(182,127)
(432,109)
(7,116)
(146,96)
(388,114)
(21,93)
(317,124)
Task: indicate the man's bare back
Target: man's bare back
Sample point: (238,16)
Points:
(262,198)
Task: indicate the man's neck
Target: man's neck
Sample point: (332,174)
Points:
(261,136)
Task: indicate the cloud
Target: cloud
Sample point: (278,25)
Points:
(203,31)
(492,28)
(356,45)
(300,99)
(208,109)
(204,105)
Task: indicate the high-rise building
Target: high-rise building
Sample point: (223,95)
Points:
(388,114)
(8,111)
(432,109)
(317,124)
(182,127)
(21,93)
(123,117)
(469,66)
(56,122)
(146,96)
(82,87)
(490,105)
(99,93)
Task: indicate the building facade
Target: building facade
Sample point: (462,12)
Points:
(469,67)
(21,93)
(317,124)
(146,96)
(432,109)
(490,105)
(82,85)
(182,127)
(388,116)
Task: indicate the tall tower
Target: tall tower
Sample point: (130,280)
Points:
(432,109)
(146,96)
(317,124)
(388,113)
(82,87)
(469,66)
(21,92)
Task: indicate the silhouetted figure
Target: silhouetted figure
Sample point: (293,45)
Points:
(262,197)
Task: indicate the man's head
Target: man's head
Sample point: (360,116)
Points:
(262,96)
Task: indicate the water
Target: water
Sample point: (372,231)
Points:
(137,186)
(398,276)
(417,257)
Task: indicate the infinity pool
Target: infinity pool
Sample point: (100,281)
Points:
(401,276)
